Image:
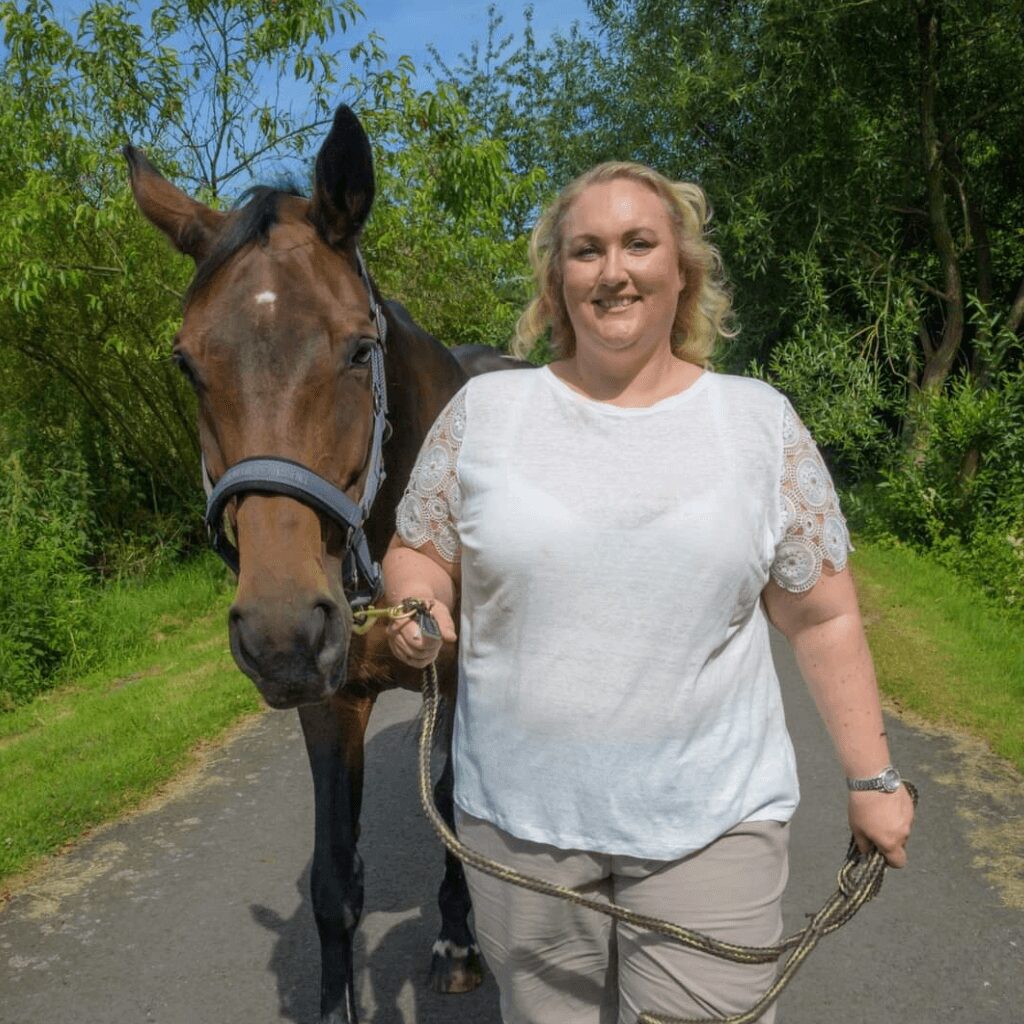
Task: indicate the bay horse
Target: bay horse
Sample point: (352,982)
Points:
(283,341)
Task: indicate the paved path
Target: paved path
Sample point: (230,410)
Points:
(197,912)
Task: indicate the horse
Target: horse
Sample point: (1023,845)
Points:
(314,397)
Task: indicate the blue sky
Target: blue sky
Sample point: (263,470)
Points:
(408,26)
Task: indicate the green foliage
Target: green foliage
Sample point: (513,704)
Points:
(44,589)
(162,682)
(971,516)
(439,239)
(941,647)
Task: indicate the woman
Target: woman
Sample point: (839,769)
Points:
(620,526)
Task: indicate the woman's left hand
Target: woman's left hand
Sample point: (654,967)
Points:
(882,821)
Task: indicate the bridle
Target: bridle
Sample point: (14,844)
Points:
(271,474)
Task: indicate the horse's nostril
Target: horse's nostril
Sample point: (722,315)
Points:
(327,642)
(319,619)
(240,648)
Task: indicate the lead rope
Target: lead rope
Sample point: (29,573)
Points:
(859,880)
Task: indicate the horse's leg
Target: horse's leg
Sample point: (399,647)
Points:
(455,965)
(334,742)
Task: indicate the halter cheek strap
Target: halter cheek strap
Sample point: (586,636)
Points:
(271,474)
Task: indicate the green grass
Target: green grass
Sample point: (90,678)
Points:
(96,746)
(941,647)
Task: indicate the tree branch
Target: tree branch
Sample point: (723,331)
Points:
(937,367)
(251,158)
(911,211)
(925,338)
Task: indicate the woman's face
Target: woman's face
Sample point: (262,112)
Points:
(620,268)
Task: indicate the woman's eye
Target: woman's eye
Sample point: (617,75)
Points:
(640,245)
(587,252)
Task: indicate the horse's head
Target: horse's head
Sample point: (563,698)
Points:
(276,339)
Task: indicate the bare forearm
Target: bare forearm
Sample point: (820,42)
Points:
(410,573)
(825,631)
(414,573)
(834,658)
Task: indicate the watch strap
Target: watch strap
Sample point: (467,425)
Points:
(888,780)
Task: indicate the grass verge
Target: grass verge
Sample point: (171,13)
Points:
(87,751)
(941,647)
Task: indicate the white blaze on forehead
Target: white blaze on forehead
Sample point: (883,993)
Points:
(266,298)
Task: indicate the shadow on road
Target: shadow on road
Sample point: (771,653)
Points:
(295,959)
(404,863)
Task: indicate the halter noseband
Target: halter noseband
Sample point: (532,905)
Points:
(271,474)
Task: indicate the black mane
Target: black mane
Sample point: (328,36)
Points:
(250,222)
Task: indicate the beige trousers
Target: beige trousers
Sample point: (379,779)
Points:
(556,963)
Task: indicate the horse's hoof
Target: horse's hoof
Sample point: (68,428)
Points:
(455,968)
(340,1015)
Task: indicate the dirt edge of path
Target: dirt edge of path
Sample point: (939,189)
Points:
(52,871)
(989,797)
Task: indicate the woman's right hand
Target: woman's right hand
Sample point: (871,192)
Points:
(408,643)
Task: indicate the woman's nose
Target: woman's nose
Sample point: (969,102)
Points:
(613,267)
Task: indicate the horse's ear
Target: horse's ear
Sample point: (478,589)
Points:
(343,186)
(190,225)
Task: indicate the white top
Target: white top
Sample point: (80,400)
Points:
(616,687)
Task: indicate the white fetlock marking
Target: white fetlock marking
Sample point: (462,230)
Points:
(445,947)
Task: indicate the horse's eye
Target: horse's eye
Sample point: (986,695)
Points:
(181,361)
(363,352)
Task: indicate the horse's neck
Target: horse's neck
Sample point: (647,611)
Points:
(422,377)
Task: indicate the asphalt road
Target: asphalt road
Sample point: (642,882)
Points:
(197,911)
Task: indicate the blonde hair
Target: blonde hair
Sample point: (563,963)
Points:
(704,313)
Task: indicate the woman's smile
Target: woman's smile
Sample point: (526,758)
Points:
(613,305)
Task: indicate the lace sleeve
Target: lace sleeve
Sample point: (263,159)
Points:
(813,528)
(429,509)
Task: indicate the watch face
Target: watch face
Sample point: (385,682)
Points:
(890,780)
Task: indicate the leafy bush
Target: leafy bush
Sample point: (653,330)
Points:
(44,582)
(958,489)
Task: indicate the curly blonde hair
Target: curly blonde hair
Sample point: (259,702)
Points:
(704,313)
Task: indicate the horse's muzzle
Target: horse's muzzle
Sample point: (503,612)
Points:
(294,651)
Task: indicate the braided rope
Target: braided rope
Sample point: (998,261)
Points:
(859,880)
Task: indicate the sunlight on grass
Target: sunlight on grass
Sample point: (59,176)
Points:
(89,750)
(942,648)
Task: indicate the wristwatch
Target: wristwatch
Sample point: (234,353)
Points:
(888,780)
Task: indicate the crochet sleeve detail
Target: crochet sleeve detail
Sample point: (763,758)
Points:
(814,532)
(429,509)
